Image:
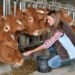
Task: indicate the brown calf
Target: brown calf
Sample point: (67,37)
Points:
(9,52)
(34,21)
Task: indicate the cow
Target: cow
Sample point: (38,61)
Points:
(9,51)
(34,21)
(1,11)
(73,28)
(66,17)
(13,22)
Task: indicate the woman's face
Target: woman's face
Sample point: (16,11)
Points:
(50,20)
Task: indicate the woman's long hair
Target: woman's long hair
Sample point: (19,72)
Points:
(58,23)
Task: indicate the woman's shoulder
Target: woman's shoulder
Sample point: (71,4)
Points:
(59,32)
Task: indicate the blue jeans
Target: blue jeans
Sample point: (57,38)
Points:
(52,51)
(55,62)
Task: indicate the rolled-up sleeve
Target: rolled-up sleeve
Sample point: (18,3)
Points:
(48,43)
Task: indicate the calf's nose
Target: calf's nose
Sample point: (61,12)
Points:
(18,64)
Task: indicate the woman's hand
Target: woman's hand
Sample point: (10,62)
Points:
(27,53)
(40,48)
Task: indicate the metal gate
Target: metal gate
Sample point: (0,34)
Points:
(26,41)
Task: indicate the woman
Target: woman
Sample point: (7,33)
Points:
(60,33)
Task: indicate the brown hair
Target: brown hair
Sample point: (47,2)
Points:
(58,23)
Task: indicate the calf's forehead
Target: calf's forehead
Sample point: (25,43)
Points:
(35,12)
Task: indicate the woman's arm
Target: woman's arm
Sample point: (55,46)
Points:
(48,43)
(40,48)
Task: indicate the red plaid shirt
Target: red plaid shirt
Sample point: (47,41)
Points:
(48,43)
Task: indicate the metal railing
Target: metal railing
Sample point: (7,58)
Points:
(26,40)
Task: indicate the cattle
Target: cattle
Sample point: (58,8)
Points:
(73,28)
(13,22)
(9,51)
(34,21)
(66,17)
(1,11)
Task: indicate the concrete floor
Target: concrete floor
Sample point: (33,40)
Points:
(30,68)
(27,68)
(5,68)
(60,71)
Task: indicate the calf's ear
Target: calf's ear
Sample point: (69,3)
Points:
(41,13)
(4,18)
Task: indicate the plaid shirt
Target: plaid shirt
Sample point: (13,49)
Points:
(48,43)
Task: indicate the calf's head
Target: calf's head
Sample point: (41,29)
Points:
(66,17)
(34,21)
(9,52)
(13,23)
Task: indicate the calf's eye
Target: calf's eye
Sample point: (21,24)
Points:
(6,28)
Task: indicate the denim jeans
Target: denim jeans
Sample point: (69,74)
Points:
(55,62)
(52,51)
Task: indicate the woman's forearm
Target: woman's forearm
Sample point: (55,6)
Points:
(40,48)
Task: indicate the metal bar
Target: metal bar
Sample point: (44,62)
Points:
(34,44)
(29,5)
(24,5)
(4,8)
(27,38)
(20,5)
(73,16)
(14,8)
(9,7)
(34,5)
